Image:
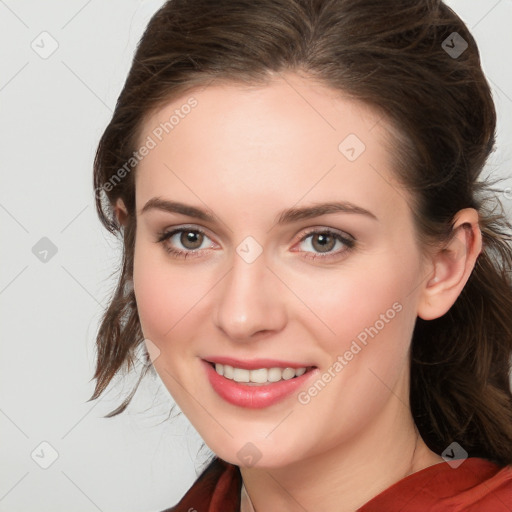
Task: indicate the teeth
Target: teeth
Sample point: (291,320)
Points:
(259,376)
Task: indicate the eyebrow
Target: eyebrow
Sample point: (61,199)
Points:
(287,216)
(157,203)
(295,214)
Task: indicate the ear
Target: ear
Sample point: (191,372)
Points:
(452,266)
(120,212)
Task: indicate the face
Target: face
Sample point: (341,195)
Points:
(281,234)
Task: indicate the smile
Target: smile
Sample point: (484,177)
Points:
(273,384)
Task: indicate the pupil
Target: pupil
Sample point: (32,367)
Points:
(191,240)
(323,242)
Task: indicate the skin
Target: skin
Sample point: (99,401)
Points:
(246,154)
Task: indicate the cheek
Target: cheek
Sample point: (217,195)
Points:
(166,293)
(363,322)
(365,302)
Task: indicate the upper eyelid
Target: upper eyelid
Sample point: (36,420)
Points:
(320,229)
(306,232)
(177,229)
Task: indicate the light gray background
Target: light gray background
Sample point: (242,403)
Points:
(52,113)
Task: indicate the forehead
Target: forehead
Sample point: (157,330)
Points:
(291,140)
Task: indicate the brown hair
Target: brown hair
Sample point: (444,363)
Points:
(390,55)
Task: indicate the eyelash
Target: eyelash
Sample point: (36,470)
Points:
(348,242)
(177,253)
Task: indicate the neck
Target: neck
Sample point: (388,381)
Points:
(348,475)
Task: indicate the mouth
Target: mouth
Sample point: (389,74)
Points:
(275,384)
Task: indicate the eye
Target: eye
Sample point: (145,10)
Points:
(183,242)
(325,243)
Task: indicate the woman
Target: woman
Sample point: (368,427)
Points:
(310,261)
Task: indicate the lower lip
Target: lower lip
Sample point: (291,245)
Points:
(254,397)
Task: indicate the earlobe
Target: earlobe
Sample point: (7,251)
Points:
(120,212)
(452,266)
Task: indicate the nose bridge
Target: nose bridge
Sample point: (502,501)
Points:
(249,302)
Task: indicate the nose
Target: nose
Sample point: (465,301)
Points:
(249,302)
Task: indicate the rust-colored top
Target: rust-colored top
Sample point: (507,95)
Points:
(476,485)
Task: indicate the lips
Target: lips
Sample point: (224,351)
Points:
(255,396)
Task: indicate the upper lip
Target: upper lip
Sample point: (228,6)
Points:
(254,364)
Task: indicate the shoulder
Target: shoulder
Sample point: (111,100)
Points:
(476,485)
(216,488)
